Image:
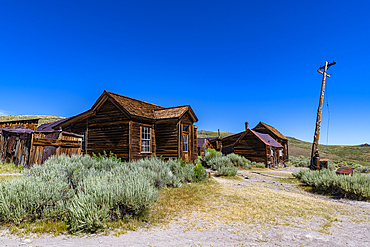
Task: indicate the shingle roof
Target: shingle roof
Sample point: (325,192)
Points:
(17,129)
(132,107)
(267,139)
(143,109)
(48,127)
(135,107)
(172,112)
(275,131)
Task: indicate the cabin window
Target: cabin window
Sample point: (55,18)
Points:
(145,139)
(280,153)
(185,128)
(272,152)
(83,141)
(185,143)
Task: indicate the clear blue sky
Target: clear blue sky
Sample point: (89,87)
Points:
(232,61)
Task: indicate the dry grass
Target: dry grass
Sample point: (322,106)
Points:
(219,202)
(8,177)
(38,227)
(10,168)
(283,174)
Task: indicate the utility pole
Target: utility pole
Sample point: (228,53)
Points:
(315,157)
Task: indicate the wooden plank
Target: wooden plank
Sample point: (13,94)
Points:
(52,142)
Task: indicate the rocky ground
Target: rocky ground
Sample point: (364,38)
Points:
(342,233)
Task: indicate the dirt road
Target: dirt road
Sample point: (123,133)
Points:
(345,232)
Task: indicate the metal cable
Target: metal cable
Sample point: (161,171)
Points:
(327,104)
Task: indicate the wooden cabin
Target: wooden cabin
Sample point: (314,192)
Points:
(28,123)
(134,129)
(254,146)
(274,133)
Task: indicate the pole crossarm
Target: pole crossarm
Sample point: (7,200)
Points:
(329,64)
(322,73)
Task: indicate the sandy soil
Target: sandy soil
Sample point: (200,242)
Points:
(178,233)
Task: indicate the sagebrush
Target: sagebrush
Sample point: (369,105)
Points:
(87,192)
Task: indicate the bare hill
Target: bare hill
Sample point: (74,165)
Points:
(43,119)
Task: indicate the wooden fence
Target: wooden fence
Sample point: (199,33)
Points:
(25,147)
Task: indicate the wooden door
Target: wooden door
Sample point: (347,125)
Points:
(185,147)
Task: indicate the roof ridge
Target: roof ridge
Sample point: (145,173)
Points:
(165,108)
(133,99)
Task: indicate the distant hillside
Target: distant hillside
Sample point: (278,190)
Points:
(43,119)
(210,134)
(359,154)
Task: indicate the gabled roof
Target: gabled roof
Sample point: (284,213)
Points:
(175,112)
(48,127)
(132,107)
(267,139)
(201,141)
(135,107)
(272,129)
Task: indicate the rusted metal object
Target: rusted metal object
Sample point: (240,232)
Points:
(345,170)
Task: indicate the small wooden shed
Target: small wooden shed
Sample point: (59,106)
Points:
(26,147)
(274,133)
(254,146)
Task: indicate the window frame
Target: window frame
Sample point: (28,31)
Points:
(185,142)
(145,136)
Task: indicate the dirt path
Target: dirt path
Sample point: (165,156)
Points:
(178,233)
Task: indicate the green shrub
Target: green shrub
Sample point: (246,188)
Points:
(301,161)
(258,164)
(227,171)
(221,161)
(211,154)
(198,160)
(237,160)
(326,181)
(87,192)
(199,173)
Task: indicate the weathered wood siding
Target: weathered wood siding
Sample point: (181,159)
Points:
(44,145)
(15,148)
(251,148)
(262,129)
(192,145)
(167,139)
(107,130)
(27,149)
(136,152)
